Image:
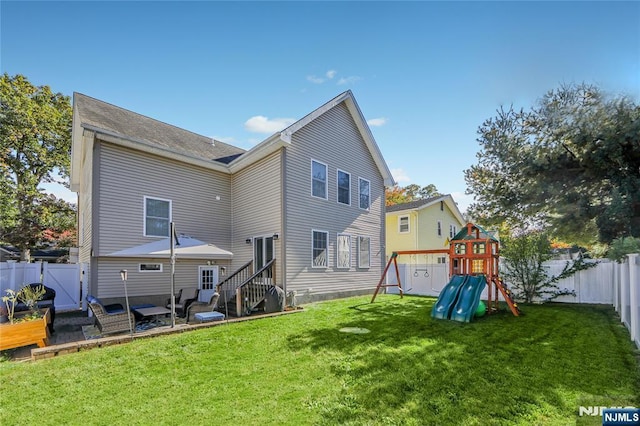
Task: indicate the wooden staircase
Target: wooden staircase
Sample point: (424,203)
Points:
(506,293)
(243,290)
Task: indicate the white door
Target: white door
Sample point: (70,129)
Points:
(207,281)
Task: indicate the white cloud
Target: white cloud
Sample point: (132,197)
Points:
(262,124)
(348,80)
(315,80)
(399,175)
(331,73)
(377,122)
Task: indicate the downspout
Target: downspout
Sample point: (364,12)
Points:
(283,222)
(417,231)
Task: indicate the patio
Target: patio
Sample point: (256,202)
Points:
(69,336)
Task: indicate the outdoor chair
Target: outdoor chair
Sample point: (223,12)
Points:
(197,307)
(109,323)
(184,298)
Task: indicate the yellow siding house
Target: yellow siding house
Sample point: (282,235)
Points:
(422,225)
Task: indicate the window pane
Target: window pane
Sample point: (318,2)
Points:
(319,179)
(344,251)
(344,183)
(319,249)
(158,217)
(364,194)
(404,224)
(364,252)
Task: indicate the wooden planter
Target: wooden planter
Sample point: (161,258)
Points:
(25,332)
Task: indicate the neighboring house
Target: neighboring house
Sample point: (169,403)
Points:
(310,196)
(427,224)
(422,225)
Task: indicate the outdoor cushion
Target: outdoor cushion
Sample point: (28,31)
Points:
(114,308)
(209,316)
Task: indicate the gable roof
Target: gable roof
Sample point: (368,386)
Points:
(426,202)
(136,131)
(103,117)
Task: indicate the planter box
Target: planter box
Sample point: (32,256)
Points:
(26,332)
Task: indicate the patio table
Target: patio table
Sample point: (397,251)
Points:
(154,312)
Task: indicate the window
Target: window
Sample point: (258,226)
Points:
(365,193)
(344,188)
(150,267)
(403,224)
(157,216)
(343,249)
(439,229)
(441,206)
(364,252)
(452,231)
(320,247)
(442,260)
(318,179)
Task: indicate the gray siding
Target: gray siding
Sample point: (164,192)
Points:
(126,176)
(333,139)
(146,287)
(257,208)
(85,200)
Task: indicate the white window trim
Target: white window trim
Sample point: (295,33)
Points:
(338,171)
(439,229)
(453,230)
(144,215)
(326,248)
(338,251)
(369,260)
(326,183)
(149,271)
(400,231)
(369,182)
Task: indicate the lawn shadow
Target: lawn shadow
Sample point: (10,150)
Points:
(496,369)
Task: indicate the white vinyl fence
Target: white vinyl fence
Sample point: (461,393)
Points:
(64,278)
(626,294)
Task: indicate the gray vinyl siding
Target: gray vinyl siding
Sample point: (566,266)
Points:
(333,139)
(85,200)
(146,287)
(256,208)
(127,176)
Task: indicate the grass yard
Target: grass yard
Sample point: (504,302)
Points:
(301,369)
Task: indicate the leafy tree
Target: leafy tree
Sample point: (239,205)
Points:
(572,162)
(524,267)
(413,192)
(621,247)
(35,143)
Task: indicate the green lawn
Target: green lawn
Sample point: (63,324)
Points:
(301,369)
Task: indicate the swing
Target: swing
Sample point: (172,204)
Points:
(416,270)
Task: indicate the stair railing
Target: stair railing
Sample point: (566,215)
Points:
(227,287)
(253,291)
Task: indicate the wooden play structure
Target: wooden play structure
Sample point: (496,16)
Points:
(473,251)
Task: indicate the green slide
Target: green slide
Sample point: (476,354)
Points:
(469,298)
(448,297)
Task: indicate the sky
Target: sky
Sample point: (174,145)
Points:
(425,74)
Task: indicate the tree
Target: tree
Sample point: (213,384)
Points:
(413,192)
(524,256)
(571,163)
(35,142)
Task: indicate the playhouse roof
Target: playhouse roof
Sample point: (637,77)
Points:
(484,234)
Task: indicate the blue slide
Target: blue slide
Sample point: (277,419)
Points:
(448,296)
(469,298)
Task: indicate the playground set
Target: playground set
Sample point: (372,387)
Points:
(473,263)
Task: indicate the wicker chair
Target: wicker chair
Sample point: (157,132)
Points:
(111,323)
(197,307)
(184,298)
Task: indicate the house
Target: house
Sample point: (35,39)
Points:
(427,224)
(311,197)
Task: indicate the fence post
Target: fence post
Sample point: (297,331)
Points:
(624,293)
(634,297)
(615,278)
